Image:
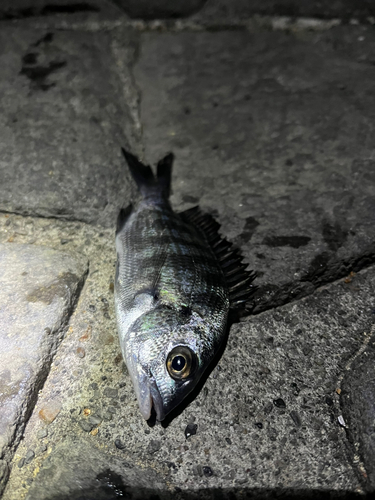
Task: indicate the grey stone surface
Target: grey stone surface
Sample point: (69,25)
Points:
(214,10)
(64,113)
(247,441)
(38,289)
(88,473)
(231,9)
(160,9)
(358,405)
(272,132)
(86,10)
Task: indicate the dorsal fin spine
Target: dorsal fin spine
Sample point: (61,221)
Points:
(239,280)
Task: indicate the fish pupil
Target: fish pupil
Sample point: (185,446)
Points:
(178,363)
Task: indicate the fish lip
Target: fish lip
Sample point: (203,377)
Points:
(157,401)
(144,397)
(149,397)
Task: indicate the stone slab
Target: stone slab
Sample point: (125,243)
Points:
(215,10)
(267,417)
(94,474)
(272,133)
(227,10)
(160,9)
(64,114)
(38,289)
(358,406)
(88,10)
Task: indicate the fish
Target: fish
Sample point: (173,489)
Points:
(176,282)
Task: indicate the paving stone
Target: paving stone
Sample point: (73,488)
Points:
(227,10)
(160,9)
(272,133)
(358,405)
(223,11)
(64,113)
(92,473)
(89,9)
(308,98)
(243,441)
(39,287)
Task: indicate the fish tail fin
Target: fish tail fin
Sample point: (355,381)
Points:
(147,183)
(164,173)
(142,174)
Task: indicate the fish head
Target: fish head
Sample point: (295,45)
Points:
(167,357)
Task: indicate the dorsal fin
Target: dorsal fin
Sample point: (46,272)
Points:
(238,279)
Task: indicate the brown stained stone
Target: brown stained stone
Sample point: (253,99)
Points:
(49,413)
(80,352)
(86,335)
(108,339)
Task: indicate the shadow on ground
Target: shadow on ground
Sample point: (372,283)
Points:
(109,486)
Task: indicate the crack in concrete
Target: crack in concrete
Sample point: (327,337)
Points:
(296,290)
(41,378)
(281,295)
(30,213)
(366,341)
(132,92)
(353,457)
(254,22)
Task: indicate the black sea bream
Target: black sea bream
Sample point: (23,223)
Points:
(176,280)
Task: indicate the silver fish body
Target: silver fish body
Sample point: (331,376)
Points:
(173,292)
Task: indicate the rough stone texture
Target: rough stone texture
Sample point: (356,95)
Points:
(214,10)
(38,288)
(267,416)
(272,132)
(64,113)
(345,9)
(90,473)
(358,405)
(86,10)
(160,8)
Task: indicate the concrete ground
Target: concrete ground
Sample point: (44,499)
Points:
(271,119)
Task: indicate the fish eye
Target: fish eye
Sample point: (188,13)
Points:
(181,362)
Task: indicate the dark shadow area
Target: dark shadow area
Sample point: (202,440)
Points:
(160,9)
(110,486)
(48,10)
(342,9)
(323,269)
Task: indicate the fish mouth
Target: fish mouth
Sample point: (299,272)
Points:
(149,397)
(157,402)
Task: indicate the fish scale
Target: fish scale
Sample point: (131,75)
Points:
(172,295)
(179,274)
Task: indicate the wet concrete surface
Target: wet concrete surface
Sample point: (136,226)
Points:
(271,123)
